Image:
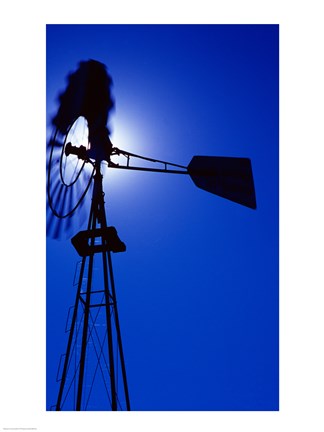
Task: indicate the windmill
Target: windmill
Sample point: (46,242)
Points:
(78,149)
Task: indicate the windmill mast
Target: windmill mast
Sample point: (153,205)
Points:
(98,239)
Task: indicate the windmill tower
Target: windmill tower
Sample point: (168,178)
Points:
(79,146)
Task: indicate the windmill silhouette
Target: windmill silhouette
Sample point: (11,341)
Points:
(79,147)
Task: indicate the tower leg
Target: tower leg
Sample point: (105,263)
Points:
(109,333)
(70,340)
(85,335)
(119,339)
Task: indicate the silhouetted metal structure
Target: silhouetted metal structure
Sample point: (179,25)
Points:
(78,147)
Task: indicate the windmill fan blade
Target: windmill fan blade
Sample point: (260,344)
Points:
(228,177)
(60,226)
(55,143)
(87,94)
(50,222)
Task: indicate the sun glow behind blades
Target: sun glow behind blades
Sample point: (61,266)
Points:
(125,136)
(78,136)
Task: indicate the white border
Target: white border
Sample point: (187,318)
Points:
(22,317)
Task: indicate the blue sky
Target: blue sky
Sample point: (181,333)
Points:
(198,286)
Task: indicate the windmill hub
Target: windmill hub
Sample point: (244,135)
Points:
(81,151)
(94,152)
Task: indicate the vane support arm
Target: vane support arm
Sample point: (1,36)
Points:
(137,168)
(128,166)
